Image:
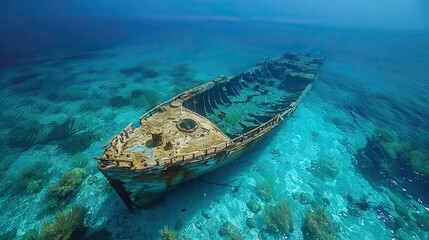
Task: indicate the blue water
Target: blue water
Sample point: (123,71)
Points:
(357,146)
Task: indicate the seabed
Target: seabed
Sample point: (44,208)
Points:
(350,163)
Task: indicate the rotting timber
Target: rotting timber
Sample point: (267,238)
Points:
(204,127)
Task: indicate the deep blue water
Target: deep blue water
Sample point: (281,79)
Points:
(357,146)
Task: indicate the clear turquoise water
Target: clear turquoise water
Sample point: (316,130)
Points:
(361,133)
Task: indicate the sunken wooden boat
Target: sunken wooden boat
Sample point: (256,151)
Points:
(204,128)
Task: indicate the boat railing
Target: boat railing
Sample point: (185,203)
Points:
(156,109)
(116,163)
(208,152)
(199,155)
(234,143)
(184,95)
(213,150)
(106,163)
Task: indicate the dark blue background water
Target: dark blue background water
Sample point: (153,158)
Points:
(368,111)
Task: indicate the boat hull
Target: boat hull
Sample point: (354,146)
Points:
(143,189)
(204,128)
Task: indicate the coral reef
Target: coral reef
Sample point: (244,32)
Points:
(398,150)
(394,146)
(419,161)
(264,189)
(68,224)
(325,168)
(32,178)
(317,225)
(278,218)
(386,158)
(230,231)
(390,141)
(30,235)
(60,193)
(168,234)
(253,206)
(376,158)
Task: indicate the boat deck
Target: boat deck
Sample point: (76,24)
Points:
(165,134)
(208,116)
(250,99)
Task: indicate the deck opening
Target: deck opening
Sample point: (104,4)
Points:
(187,125)
(254,97)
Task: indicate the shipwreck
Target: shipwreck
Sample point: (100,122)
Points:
(204,128)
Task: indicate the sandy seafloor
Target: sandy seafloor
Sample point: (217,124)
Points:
(373,82)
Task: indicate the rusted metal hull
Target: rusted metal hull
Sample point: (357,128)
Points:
(142,189)
(204,128)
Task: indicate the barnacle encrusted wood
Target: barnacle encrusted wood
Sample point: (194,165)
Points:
(204,127)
